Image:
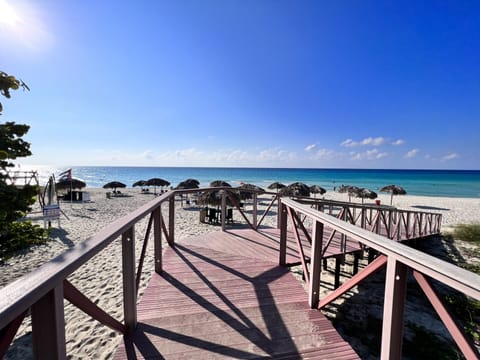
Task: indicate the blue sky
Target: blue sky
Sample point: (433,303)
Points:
(355,84)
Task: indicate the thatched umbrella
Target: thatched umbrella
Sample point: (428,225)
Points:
(393,190)
(315,189)
(349,189)
(366,193)
(244,195)
(157,182)
(72,183)
(114,185)
(139,183)
(188,184)
(276,185)
(219,183)
(214,198)
(295,189)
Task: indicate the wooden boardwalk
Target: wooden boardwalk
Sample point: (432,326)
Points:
(223,295)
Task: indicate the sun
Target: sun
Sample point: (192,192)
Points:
(8,15)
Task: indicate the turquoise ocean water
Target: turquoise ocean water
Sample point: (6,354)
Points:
(451,183)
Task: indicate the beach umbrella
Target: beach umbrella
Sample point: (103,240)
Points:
(139,183)
(219,183)
(393,190)
(349,189)
(188,184)
(114,185)
(250,188)
(315,189)
(276,185)
(214,198)
(157,182)
(295,189)
(72,183)
(365,193)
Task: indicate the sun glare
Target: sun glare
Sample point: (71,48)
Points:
(8,14)
(23,26)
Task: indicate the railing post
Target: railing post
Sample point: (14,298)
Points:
(283,233)
(389,226)
(48,325)
(129,288)
(224,209)
(393,308)
(157,238)
(171,220)
(316,265)
(255,210)
(279,210)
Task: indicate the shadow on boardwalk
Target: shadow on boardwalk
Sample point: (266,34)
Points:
(211,304)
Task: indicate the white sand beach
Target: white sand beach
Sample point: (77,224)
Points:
(101,278)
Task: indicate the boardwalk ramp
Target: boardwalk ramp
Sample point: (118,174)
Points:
(214,304)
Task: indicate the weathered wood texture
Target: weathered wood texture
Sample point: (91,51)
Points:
(211,303)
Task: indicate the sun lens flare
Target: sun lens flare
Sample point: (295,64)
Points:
(8,15)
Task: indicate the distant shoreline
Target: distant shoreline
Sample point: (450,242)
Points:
(447,183)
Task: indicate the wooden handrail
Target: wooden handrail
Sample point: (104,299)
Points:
(24,292)
(44,286)
(454,276)
(398,258)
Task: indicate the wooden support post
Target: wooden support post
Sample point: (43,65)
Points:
(224,209)
(389,226)
(279,210)
(129,291)
(356,257)
(255,209)
(283,234)
(315,265)
(337,272)
(157,239)
(171,221)
(325,264)
(48,325)
(363,222)
(393,308)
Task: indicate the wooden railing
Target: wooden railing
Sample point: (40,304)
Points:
(42,291)
(398,259)
(388,221)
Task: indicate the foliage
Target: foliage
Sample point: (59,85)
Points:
(14,201)
(422,345)
(19,236)
(7,83)
(467,232)
(426,345)
(12,145)
(468,311)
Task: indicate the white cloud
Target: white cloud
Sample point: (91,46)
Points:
(310,147)
(369,141)
(373,154)
(398,142)
(373,141)
(348,143)
(275,155)
(323,154)
(412,153)
(450,156)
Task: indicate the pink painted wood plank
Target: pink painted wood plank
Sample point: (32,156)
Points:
(212,303)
